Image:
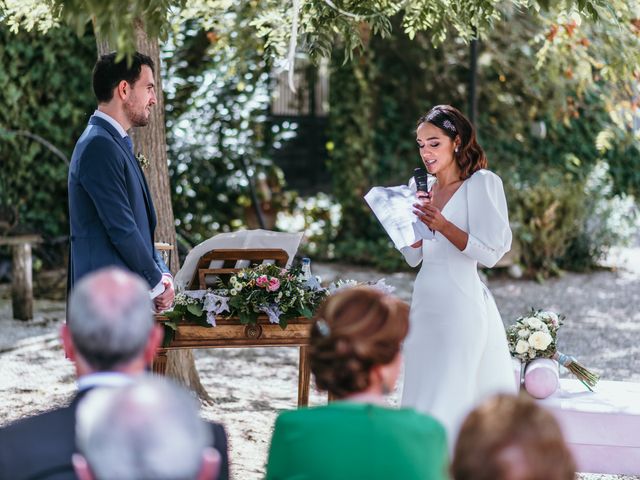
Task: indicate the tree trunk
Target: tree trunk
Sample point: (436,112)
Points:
(151,142)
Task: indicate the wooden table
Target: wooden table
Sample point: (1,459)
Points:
(230,333)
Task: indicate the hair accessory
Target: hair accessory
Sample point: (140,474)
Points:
(323,327)
(449,126)
(440,120)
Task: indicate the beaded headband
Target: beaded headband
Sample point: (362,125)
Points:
(439,119)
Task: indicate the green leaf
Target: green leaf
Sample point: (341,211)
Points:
(247,318)
(195,309)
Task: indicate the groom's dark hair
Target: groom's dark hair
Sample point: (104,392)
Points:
(108,73)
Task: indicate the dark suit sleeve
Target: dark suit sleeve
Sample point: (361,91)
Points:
(103,177)
(220,444)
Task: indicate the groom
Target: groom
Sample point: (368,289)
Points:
(110,208)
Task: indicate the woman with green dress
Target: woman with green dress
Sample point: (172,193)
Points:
(355,355)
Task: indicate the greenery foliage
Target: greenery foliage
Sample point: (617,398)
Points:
(44,90)
(515,98)
(546,216)
(572,66)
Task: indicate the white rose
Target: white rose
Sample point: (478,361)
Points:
(523,333)
(522,346)
(233,291)
(551,316)
(535,323)
(540,340)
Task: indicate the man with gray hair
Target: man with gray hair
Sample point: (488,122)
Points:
(146,430)
(111,337)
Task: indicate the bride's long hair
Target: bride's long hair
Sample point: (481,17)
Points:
(470,157)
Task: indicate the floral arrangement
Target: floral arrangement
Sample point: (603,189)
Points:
(278,293)
(535,335)
(267,289)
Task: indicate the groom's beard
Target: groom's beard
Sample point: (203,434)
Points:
(138,118)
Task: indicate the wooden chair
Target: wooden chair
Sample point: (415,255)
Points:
(231,259)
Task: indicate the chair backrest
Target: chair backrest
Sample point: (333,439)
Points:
(232,260)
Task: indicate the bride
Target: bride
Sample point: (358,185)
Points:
(456,352)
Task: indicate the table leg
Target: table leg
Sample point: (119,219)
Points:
(160,362)
(304,377)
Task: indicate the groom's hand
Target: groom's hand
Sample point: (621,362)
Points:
(165,299)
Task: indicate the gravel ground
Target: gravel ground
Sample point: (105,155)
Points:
(250,386)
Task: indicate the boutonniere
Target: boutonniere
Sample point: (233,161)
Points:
(142,161)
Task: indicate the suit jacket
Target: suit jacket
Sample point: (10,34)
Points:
(346,441)
(40,447)
(111,212)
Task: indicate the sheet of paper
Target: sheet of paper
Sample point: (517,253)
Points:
(393,206)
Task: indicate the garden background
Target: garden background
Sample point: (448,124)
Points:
(553,90)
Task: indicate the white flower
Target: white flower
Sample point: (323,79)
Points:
(540,340)
(524,333)
(522,346)
(551,316)
(535,323)
(233,291)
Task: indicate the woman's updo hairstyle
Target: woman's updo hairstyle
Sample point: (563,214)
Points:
(470,157)
(354,330)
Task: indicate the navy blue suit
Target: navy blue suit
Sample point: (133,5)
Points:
(110,208)
(40,447)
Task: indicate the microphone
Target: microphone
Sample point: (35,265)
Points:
(421,177)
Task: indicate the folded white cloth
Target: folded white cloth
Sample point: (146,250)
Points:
(242,239)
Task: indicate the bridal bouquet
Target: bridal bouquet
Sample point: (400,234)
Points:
(535,335)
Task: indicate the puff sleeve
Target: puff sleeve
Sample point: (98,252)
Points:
(489,231)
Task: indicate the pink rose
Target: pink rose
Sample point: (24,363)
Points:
(262,281)
(274,284)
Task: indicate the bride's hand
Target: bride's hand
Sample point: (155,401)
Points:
(430,215)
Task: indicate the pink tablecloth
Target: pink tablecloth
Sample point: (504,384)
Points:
(602,427)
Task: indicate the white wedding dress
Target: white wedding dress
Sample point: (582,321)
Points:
(456,352)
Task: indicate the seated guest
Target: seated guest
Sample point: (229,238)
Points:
(111,337)
(511,438)
(146,430)
(354,353)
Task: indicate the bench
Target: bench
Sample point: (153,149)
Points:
(602,428)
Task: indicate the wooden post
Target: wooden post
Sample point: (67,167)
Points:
(22,287)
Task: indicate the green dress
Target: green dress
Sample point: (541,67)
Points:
(346,440)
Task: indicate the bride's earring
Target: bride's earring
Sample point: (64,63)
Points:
(456,149)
